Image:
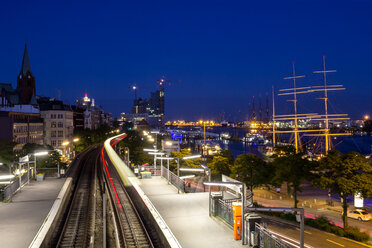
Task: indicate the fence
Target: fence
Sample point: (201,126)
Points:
(223,209)
(173,179)
(7,192)
(265,239)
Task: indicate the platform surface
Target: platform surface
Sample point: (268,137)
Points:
(21,219)
(187,216)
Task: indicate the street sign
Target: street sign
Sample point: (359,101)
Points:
(358,200)
(24,159)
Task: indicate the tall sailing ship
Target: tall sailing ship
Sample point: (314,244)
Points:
(314,146)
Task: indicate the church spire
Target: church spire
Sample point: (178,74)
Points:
(26,82)
(25,63)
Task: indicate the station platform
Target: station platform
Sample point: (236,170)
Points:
(187,216)
(21,218)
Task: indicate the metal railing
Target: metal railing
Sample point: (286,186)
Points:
(7,192)
(223,209)
(265,239)
(154,172)
(173,179)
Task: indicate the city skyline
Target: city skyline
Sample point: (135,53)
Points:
(227,61)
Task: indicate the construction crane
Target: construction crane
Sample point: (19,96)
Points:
(135,88)
(162,82)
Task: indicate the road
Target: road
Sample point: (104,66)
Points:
(313,237)
(317,209)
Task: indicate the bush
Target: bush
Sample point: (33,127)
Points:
(288,216)
(337,230)
(354,232)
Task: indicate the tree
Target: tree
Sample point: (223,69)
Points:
(89,137)
(6,151)
(220,165)
(191,163)
(48,161)
(227,154)
(345,175)
(135,144)
(291,167)
(249,169)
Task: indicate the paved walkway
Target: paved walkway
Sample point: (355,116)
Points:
(21,219)
(187,216)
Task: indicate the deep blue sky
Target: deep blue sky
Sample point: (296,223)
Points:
(222,52)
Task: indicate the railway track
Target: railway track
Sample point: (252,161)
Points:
(76,230)
(132,231)
(89,224)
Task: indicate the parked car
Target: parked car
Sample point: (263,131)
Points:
(359,214)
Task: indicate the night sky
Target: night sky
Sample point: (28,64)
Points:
(220,52)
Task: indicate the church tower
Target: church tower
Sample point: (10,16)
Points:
(26,82)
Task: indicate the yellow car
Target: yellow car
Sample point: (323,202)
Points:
(359,214)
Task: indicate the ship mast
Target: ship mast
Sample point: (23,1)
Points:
(294,100)
(327,134)
(326,119)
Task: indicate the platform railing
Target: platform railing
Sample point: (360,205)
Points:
(264,238)
(7,192)
(173,179)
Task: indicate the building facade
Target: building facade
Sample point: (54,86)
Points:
(78,118)
(94,116)
(58,125)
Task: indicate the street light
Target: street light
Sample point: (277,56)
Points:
(150,150)
(155,153)
(38,154)
(189,176)
(178,165)
(6,177)
(168,159)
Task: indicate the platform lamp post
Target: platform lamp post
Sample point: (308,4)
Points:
(208,170)
(168,159)
(178,165)
(156,153)
(38,154)
(75,140)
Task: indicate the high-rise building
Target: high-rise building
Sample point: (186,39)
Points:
(156,108)
(151,110)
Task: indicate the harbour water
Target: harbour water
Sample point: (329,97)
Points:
(345,144)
